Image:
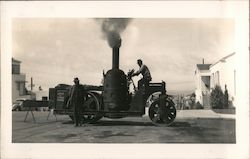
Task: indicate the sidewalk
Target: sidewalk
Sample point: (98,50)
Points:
(202,114)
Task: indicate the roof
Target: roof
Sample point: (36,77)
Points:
(223,59)
(203,66)
(14,60)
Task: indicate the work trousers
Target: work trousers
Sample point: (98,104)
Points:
(77,114)
(144,82)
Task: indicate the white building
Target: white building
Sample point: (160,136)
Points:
(40,94)
(222,73)
(18,82)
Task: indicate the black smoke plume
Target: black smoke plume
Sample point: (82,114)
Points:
(112,28)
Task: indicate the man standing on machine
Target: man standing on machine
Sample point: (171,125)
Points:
(145,73)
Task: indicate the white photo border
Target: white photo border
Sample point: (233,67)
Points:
(133,9)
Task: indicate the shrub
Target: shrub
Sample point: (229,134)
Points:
(217,98)
(198,105)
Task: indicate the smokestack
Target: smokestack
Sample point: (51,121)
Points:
(115,60)
(203,61)
(111,29)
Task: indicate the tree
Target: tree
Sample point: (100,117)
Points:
(226,102)
(217,98)
(192,100)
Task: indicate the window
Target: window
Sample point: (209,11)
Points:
(15,69)
(217,78)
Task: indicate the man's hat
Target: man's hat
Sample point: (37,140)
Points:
(76,79)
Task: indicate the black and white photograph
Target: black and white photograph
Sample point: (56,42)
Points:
(185,64)
(89,82)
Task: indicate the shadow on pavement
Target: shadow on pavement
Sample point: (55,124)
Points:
(132,123)
(122,123)
(224,111)
(68,122)
(180,124)
(136,123)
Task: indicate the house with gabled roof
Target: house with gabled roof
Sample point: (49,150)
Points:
(221,73)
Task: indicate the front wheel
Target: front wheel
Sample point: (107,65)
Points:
(162,116)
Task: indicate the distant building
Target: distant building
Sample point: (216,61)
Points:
(207,76)
(18,82)
(40,94)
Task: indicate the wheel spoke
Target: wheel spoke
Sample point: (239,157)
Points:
(166,118)
(92,104)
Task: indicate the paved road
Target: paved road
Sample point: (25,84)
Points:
(189,127)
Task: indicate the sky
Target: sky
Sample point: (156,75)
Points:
(55,50)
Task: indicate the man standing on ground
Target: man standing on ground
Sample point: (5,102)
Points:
(76,98)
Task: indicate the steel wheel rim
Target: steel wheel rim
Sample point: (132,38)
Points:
(168,117)
(93,105)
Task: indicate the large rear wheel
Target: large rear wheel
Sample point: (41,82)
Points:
(162,116)
(92,104)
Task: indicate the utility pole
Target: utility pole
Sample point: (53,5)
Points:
(31,84)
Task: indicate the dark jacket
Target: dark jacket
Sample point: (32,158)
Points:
(76,95)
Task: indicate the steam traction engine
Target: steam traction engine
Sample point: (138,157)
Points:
(114,100)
